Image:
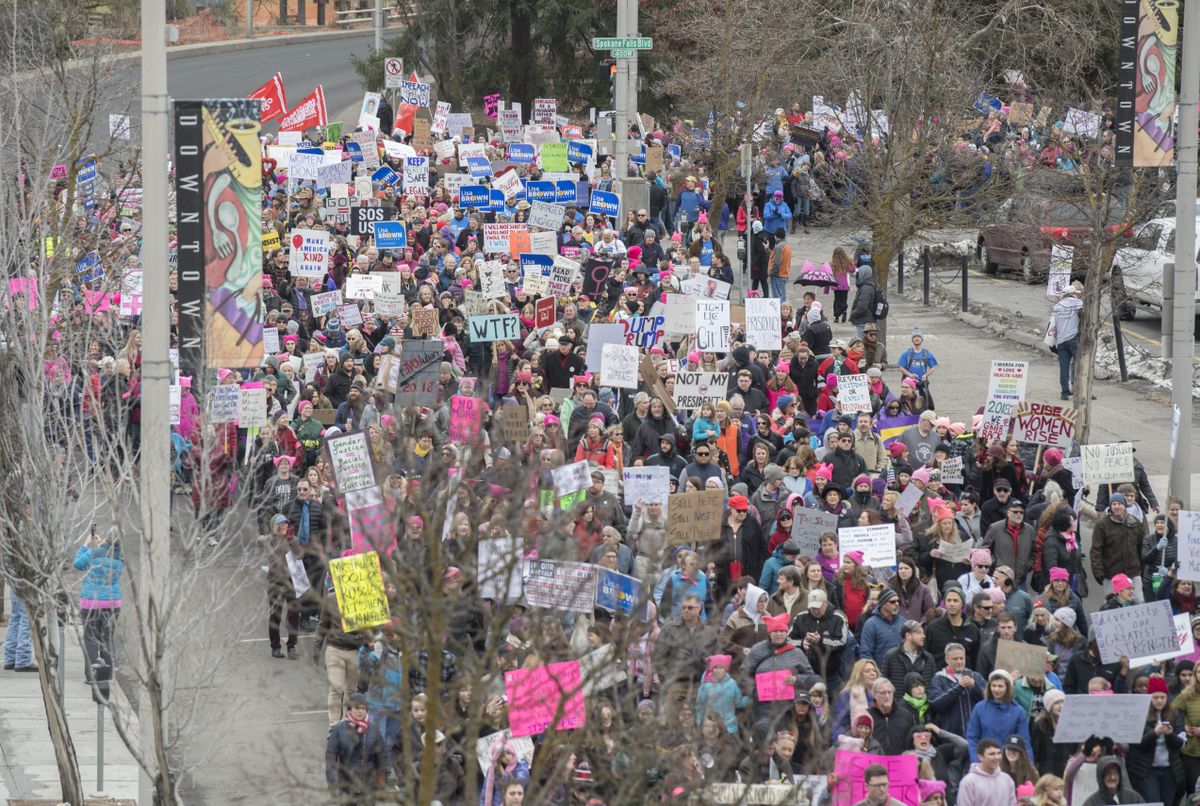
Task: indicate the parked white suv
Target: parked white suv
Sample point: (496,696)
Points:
(1138,266)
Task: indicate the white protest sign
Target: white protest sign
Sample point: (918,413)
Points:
(508,183)
(1006,388)
(499,564)
(416,175)
(270,340)
(952,470)
(1074,466)
(712,325)
(1189,545)
(547,216)
(175,399)
(252,407)
(853,393)
(363,286)
(223,405)
(440,113)
(1187,644)
(312,362)
(299,575)
(468,150)
(707,287)
(571,478)
(1107,464)
(877,543)
(496,236)
(544,111)
(808,525)
(334,173)
(598,335)
(543,243)
(310,251)
(1120,717)
(619,366)
(680,315)
(353,471)
(1059,277)
(1145,629)
(646,485)
(560,585)
(763,324)
(908,499)
(491,277)
(325,302)
(522,746)
(601,670)
(562,277)
(694,388)
(510,125)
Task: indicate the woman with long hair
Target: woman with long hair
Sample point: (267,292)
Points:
(843,267)
(932,558)
(1155,765)
(852,582)
(1051,756)
(916,602)
(1050,790)
(1015,762)
(855,699)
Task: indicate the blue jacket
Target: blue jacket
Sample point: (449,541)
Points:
(104,566)
(385,680)
(776,215)
(723,699)
(689,206)
(878,636)
(951,703)
(997,720)
(768,580)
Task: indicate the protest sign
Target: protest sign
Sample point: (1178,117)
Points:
(1189,544)
(310,250)
(363,286)
(695,517)
(1074,466)
(601,670)
(440,113)
(851,786)
(499,563)
(544,110)
(706,287)
(1120,717)
(514,423)
(1187,644)
(693,388)
(371,529)
(252,406)
(605,203)
(223,405)
(877,543)
(807,527)
(619,366)
(465,416)
(1018,656)
(545,698)
(808,789)
(358,583)
(522,748)
(390,234)
(422,138)
(646,484)
(270,340)
(474,196)
(495,236)
(491,279)
(643,332)
(544,311)
(654,384)
(553,157)
(1145,629)
(620,593)
(1059,277)
(853,394)
(545,215)
(494,327)
(1107,464)
(424,321)
(560,585)
(351,463)
(952,470)
(416,175)
(508,183)
(562,277)
(457,121)
(1044,424)
(510,125)
(414,93)
(349,314)
(578,152)
(680,315)
(1006,388)
(712,326)
(543,243)
(571,478)
(770,686)
(335,173)
(299,575)
(763,324)
(909,498)
(959,552)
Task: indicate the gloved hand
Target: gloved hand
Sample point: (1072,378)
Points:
(1161,544)
(1163,572)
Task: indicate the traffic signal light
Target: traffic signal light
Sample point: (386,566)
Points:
(612,80)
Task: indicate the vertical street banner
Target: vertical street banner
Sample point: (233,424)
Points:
(218,186)
(1147,65)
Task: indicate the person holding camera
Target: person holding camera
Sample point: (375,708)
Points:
(101,559)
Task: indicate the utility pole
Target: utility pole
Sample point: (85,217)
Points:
(1182,335)
(156,378)
(621,123)
(378,26)
(249,18)
(748,203)
(635,193)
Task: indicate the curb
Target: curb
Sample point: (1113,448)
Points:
(234,45)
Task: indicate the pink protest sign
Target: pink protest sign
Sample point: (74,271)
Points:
(371,529)
(464,418)
(22,287)
(851,788)
(771,687)
(545,698)
(97,301)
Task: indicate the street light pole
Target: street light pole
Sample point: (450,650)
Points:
(621,122)
(156,378)
(1182,335)
(378,26)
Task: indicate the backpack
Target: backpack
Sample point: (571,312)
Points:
(881,305)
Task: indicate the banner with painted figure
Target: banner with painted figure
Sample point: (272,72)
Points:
(1146,103)
(218,182)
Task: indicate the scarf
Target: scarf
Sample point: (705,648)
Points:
(1072,542)
(920,706)
(358,725)
(929,753)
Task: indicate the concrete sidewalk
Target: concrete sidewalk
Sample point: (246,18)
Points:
(27,767)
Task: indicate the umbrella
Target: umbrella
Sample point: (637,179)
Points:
(812,274)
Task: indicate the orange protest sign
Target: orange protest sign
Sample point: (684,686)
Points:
(518,242)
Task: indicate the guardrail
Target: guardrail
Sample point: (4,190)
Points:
(352,16)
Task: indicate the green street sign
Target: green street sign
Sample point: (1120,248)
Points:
(622,43)
(624,53)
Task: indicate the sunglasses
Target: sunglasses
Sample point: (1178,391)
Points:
(702,453)
(785,517)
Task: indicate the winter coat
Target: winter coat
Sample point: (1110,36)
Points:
(897,666)
(680,651)
(892,729)
(951,703)
(1052,756)
(1055,554)
(749,547)
(356,763)
(384,677)
(764,658)
(1116,547)
(776,215)
(1139,758)
(866,299)
(1083,666)
(1016,553)
(878,636)
(991,719)
(723,699)
(941,632)
(1187,705)
(1124,793)
(979,788)
(102,582)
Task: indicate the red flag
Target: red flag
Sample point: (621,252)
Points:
(308,113)
(406,117)
(274,103)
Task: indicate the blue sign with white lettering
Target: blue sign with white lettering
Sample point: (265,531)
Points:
(540,191)
(474,196)
(676,152)
(564,192)
(535,262)
(88,268)
(578,153)
(605,203)
(386,176)
(354,150)
(497,200)
(390,234)
(86,172)
(521,153)
(620,593)
(639,158)
(987,103)
(479,166)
